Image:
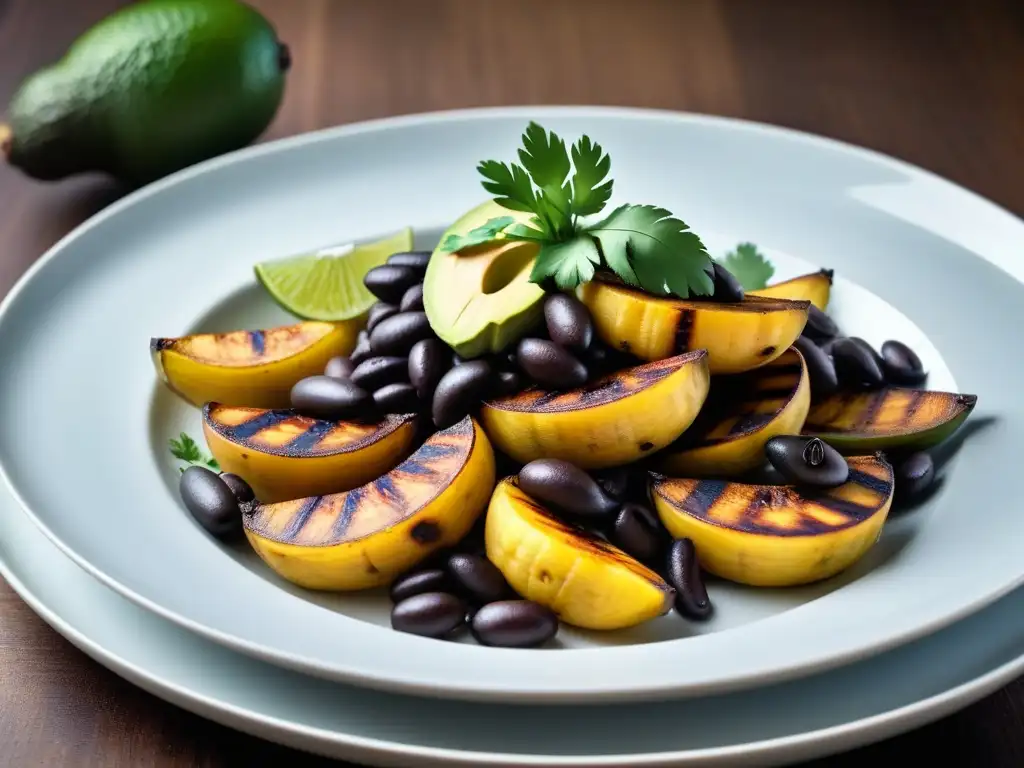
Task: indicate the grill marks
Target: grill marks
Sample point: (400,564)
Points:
(389,500)
(784,510)
(889,411)
(613,387)
(741,404)
(282,432)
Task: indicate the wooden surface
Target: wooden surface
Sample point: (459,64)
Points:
(940,84)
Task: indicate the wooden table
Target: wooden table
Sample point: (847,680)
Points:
(936,83)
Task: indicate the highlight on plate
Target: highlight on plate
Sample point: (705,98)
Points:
(563,413)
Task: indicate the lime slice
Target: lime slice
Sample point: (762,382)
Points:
(328,284)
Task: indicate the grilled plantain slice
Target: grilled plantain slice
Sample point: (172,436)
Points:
(255,368)
(887,419)
(775,536)
(367,536)
(738,336)
(615,420)
(742,413)
(815,287)
(586,581)
(283,455)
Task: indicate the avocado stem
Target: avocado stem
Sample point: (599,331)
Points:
(6,140)
(284,57)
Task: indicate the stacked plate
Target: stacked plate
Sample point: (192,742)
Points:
(927,622)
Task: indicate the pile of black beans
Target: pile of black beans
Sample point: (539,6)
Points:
(462,589)
(400,366)
(216,501)
(848,363)
(613,506)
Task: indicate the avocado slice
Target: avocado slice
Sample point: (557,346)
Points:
(480,299)
(150,89)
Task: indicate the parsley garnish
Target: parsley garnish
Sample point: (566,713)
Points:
(749,266)
(644,245)
(186,449)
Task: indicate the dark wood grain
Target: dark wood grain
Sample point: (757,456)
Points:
(936,83)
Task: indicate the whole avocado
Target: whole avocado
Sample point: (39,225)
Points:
(151,89)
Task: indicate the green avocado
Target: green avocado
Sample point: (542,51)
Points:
(152,88)
(481,300)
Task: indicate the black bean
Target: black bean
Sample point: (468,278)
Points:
(597,359)
(566,487)
(431,614)
(379,311)
(412,300)
(457,359)
(820,368)
(339,368)
(549,365)
(855,364)
(901,364)
(511,361)
(807,461)
(211,501)
(362,349)
(819,325)
(914,475)
(514,624)
(396,335)
(826,344)
(396,398)
(635,533)
(375,372)
(429,360)
(727,287)
(615,482)
(323,397)
(242,490)
(478,578)
(568,321)
(389,281)
(418,582)
(509,383)
(417,260)
(459,392)
(685,575)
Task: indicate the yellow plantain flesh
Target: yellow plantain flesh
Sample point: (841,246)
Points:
(778,536)
(585,581)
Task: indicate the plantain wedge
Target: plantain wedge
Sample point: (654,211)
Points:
(742,413)
(615,420)
(815,287)
(586,581)
(888,419)
(738,336)
(367,536)
(254,368)
(778,536)
(283,455)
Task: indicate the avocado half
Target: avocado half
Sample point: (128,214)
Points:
(480,300)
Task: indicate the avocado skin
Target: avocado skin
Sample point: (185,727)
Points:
(155,87)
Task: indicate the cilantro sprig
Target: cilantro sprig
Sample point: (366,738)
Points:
(749,266)
(644,245)
(187,450)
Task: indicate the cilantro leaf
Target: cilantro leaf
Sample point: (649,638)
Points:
(749,266)
(569,263)
(486,232)
(186,449)
(544,156)
(510,183)
(592,165)
(664,255)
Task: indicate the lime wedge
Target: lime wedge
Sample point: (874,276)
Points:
(328,284)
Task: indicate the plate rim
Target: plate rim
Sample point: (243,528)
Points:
(375,679)
(812,744)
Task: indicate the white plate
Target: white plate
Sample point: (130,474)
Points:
(85,424)
(799,720)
